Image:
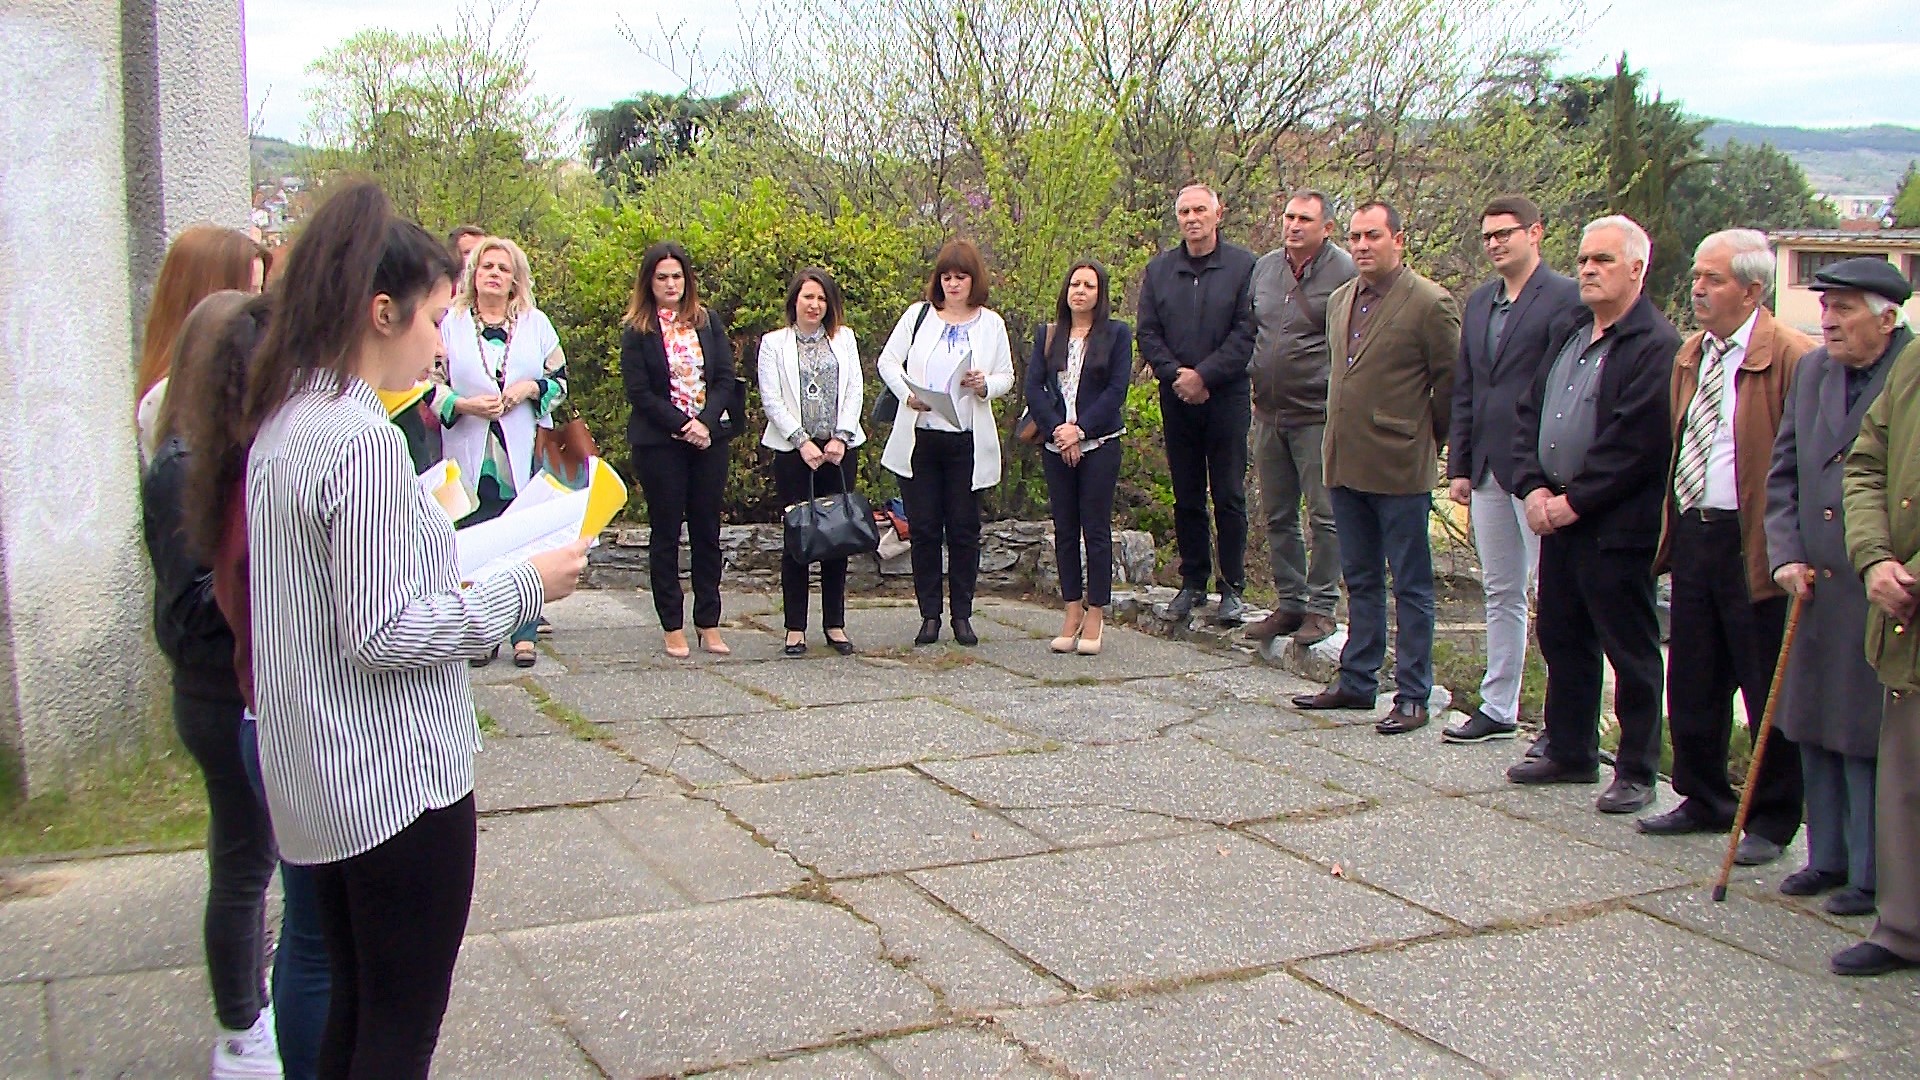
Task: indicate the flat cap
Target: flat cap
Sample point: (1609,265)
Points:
(1867,274)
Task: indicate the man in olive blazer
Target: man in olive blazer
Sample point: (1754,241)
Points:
(1395,338)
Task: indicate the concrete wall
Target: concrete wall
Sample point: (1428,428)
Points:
(112,141)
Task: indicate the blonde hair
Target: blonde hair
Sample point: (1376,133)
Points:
(519,294)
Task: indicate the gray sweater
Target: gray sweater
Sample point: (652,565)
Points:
(1290,355)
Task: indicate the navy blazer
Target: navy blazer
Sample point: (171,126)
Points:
(1487,389)
(1103,391)
(643,370)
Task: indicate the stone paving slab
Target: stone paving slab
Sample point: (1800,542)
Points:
(972,971)
(1182,778)
(1292,755)
(962,1053)
(1178,908)
(1449,768)
(665,750)
(611,698)
(719,984)
(560,866)
(497,1028)
(1084,826)
(144,1024)
(1617,996)
(842,1063)
(611,651)
(24,1043)
(102,916)
(513,712)
(1250,684)
(1904,1061)
(874,823)
(839,738)
(501,671)
(1125,654)
(891,630)
(1088,715)
(691,843)
(555,770)
(822,677)
(600,609)
(1272,1026)
(1568,809)
(1470,863)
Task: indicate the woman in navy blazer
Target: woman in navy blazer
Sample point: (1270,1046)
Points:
(1076,386)
(677,366)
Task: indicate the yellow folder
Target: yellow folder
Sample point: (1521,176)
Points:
(606,496)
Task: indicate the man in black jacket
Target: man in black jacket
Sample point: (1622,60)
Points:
(1591,450)
(1196,332)
(1503,341)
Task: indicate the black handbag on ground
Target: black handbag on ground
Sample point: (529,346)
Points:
(887,405)
(830,526)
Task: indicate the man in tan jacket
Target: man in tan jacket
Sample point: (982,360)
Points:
(1729,388)
(1395,337)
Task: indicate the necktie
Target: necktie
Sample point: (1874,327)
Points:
(1703,419)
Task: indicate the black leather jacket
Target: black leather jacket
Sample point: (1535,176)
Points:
(186,620)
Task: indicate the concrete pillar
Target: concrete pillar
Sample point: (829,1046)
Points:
(96,139)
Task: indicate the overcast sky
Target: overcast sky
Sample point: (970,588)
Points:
(1829,63)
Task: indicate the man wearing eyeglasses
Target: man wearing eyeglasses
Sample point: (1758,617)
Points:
(1503,340)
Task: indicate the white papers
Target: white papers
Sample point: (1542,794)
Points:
(443,484)
(940,401)
(526,529)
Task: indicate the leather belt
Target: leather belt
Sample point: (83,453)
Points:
(1708,515)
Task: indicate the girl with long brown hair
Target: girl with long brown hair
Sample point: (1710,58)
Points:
(201,261)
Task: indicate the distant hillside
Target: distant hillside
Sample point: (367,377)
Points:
(275,158)
(1848,161)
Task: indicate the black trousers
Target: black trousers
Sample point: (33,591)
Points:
(683,486)
(1721,641)
(1598,603)
(943,517)
(1207,451)
(240,859)
(394,917)
(790,486)
(1080,498)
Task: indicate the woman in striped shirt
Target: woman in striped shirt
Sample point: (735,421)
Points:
(361,629)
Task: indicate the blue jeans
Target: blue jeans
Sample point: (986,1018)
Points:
(1378,532)
(302,978)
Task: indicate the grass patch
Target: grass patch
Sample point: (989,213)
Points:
(156,801)
(553,709)
(488,725)
(1459,665)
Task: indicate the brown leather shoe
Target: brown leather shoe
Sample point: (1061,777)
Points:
(1333,697)
(1402,719)
(1280,622)
(1314,628)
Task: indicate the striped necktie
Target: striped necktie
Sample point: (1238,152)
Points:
(1703,419)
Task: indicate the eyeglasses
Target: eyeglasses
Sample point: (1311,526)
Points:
(1499,236)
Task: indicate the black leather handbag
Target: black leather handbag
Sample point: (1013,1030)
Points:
(887,406)
(830,526)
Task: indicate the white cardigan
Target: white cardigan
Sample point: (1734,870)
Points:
(908,352)
(779,367)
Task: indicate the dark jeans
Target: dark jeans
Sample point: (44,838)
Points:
(1377,533)
(394,917)
(1598,602)
(301,979)
(1207,451)
(683,485)
(1721,641)
(240,859)
(943,515)
(1081,500)
(790,486)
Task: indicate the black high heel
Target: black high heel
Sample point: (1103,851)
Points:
(929,632)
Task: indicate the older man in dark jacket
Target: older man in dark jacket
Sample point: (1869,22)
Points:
(1590,451)
(1196,332)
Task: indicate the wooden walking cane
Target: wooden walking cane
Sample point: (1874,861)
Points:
(1760,746)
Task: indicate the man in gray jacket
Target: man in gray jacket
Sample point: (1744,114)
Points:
(1289,370)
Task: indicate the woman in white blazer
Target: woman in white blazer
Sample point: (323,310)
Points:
(954,345)
(810,386)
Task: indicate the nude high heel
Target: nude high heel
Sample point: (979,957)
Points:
(1076,612)
(1089,644)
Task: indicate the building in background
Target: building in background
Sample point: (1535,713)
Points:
(1803,252)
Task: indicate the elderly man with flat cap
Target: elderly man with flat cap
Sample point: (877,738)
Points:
(1881,487)
(1830,700)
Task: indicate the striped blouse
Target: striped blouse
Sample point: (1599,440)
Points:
(361,631)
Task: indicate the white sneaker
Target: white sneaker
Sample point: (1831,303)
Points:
(248,1055)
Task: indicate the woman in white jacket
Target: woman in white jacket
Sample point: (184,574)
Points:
(944,459)
(810,386)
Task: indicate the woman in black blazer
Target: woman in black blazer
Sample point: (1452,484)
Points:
(1076,387)
(677,365)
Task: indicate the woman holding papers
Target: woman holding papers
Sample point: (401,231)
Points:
(946,447)
(360,626)
(810,386)
(505,373)
(1076,386)
(677,365)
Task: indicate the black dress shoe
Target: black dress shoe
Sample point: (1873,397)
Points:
(1624,797)
(963,632)
(1545,770)
(1867,958)
(1478,727)
(1679,821)
(483,661)
(1333,697)
(1810,882)
(1185,601)
(929,632)
(1850,902)
(843,646)
(1537,749)
(795,648)
(1755,851)
(1405,717)
(1232,609)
